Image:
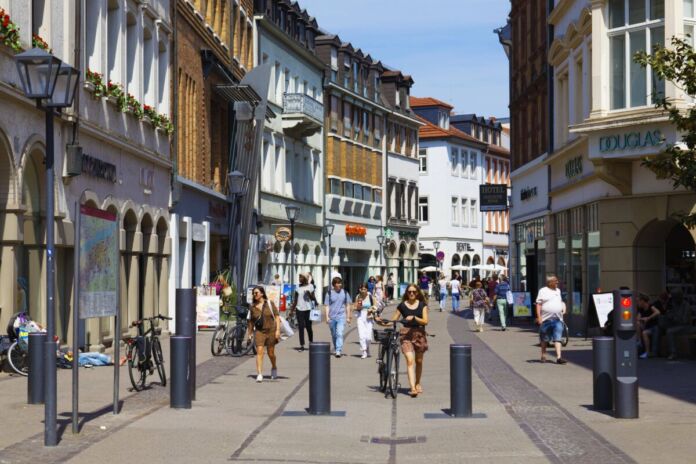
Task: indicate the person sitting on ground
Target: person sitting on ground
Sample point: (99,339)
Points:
(550,309)
(647,323)
(677,321)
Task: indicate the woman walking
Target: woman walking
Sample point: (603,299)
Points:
(480,302)
(379,293)
(413,310)
(390,287)
(265,317)
(365,308)
(303,302)
(442,283)
(455,287)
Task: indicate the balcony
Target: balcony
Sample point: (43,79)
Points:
(302,115)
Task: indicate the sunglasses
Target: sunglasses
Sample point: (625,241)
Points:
(412,292)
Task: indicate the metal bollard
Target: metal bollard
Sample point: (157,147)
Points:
(460,381)
(319,379)
(603,373)
(180,393)
(186,327)
(37,368)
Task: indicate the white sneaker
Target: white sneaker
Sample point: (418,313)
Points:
(283,337)
(364,355)
(259,378)
(274,374)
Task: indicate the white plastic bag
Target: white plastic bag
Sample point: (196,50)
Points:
(285,327)
(315,315)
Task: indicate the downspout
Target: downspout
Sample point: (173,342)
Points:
(550,94)
(77,51)
(175,104)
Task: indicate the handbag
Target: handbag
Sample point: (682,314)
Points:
(315,315)
(258,323)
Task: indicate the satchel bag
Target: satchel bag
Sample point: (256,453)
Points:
(258,323)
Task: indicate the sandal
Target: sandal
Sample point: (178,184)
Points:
(413,393)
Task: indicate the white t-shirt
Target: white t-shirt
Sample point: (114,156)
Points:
(551,302)
(443,285)
(304,300)
(454,286)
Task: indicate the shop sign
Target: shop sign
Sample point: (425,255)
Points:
(464,246)
(97,168)
(388,233)
(493,197)
(353,230)
(283,234)
(573,167)
(630,141)
(528,193)
(408,235)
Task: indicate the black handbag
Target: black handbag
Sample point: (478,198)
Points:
(258,323)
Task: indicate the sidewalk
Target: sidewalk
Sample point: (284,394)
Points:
(530,416)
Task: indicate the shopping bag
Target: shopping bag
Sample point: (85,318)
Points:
(315,315)
(509,298)
(285,326)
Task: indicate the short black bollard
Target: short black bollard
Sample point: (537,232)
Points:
(37,358)
(460,381)
(180,393)
(603,373)
(186,327)
(319,379)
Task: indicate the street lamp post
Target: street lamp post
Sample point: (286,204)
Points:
(436,245)
(380,239)
(238,185)
(292,213)
(328,232)
(52,84)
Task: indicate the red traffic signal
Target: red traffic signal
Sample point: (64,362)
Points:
(626,302)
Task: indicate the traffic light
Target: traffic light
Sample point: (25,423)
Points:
(624,310)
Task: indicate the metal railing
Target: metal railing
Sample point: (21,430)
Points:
(299,103)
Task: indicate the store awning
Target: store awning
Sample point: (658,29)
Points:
(242,93)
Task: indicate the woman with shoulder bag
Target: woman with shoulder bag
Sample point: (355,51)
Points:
(303,303)
(265,318)
(481,304)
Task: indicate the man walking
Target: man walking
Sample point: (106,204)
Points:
(550,309)
(500,300)
(338,311)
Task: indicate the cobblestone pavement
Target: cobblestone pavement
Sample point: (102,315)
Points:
(556,432)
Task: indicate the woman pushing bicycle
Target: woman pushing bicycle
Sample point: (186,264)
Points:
(413,311)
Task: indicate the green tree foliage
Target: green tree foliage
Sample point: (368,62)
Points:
(677,162)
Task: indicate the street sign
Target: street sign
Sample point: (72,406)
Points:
(440,256)
(493,197)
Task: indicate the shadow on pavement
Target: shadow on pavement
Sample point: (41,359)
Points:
(83,418)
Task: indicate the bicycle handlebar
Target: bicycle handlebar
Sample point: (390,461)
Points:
(151,319)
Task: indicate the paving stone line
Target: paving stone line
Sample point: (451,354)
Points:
(554,430)
(134,407)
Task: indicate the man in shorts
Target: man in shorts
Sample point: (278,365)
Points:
(550,309)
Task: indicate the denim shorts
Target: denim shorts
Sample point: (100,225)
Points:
(551,330)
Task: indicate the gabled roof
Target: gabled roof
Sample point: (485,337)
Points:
(422,102)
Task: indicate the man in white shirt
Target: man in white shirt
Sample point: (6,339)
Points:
(550,309)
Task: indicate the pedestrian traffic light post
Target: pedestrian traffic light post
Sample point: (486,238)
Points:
(292,213)
(625,356)
(380,240)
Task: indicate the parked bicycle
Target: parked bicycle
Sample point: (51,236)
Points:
(16,344)
(231,335)
(144,353)
(388,359)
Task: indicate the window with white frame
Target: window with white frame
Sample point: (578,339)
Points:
(132,81)
(465,212)
(115,43)
(423,209)
(335,186)
(377,88)
(149,67)
(464,163)
(474,213)
(690,20)
(423,160)
(455,211)
(346,72)
(454,160)
(473,165)
(634,26)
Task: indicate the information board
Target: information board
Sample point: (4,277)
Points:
(604,304)
(521,304)
(207,312)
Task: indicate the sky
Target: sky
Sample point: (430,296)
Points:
(447,46)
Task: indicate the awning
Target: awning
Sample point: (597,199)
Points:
(242,93)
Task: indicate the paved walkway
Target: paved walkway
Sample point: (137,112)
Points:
(532,412)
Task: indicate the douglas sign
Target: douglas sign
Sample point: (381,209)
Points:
(630,141)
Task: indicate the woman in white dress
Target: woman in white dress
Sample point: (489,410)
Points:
(365,308)
(379,293)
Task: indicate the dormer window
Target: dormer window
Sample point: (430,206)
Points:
(398,98)
(443,119)
(356,77)
(377,88)
(346,72)
(334,64)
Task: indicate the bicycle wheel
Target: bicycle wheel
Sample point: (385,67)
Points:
(382,368)
(393,373)
(234,339)
(159,361)
(18,359)
(136,370)
(217,344)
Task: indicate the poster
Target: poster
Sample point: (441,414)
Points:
(207,311)
(273,294)
(99,263)
(522,304)
(604,304)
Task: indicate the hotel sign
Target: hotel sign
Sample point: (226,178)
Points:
(493,197)
(630,141)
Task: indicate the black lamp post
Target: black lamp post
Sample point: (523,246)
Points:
(52,84)
(380,239)
(436,245)
(238,185)
(292,213)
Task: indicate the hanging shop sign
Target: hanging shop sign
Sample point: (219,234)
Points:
(353,230)
(388,233)
(493,197)
(573,167)
(97,168)
(464,246)
(631,141)
(528,193)
(283,234)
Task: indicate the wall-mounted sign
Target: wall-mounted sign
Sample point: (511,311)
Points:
(464,246)
(97,168)
(408,235)
(388,233)
(353,230)
(527,193)
(283,234)
(493,197)
(630,141)
(573,167)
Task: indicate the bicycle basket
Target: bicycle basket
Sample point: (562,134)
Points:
(381,336)
(158,331)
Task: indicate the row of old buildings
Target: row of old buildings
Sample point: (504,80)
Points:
(202,124)
(582,119)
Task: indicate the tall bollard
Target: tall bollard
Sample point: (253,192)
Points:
(186,327)
(319,379)
(603,373)
(37,368)
(460,381)
(180,393)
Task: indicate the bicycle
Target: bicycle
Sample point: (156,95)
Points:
(144,353)
(388,359)
(232,337)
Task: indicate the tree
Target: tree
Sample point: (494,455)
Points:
(678,161)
